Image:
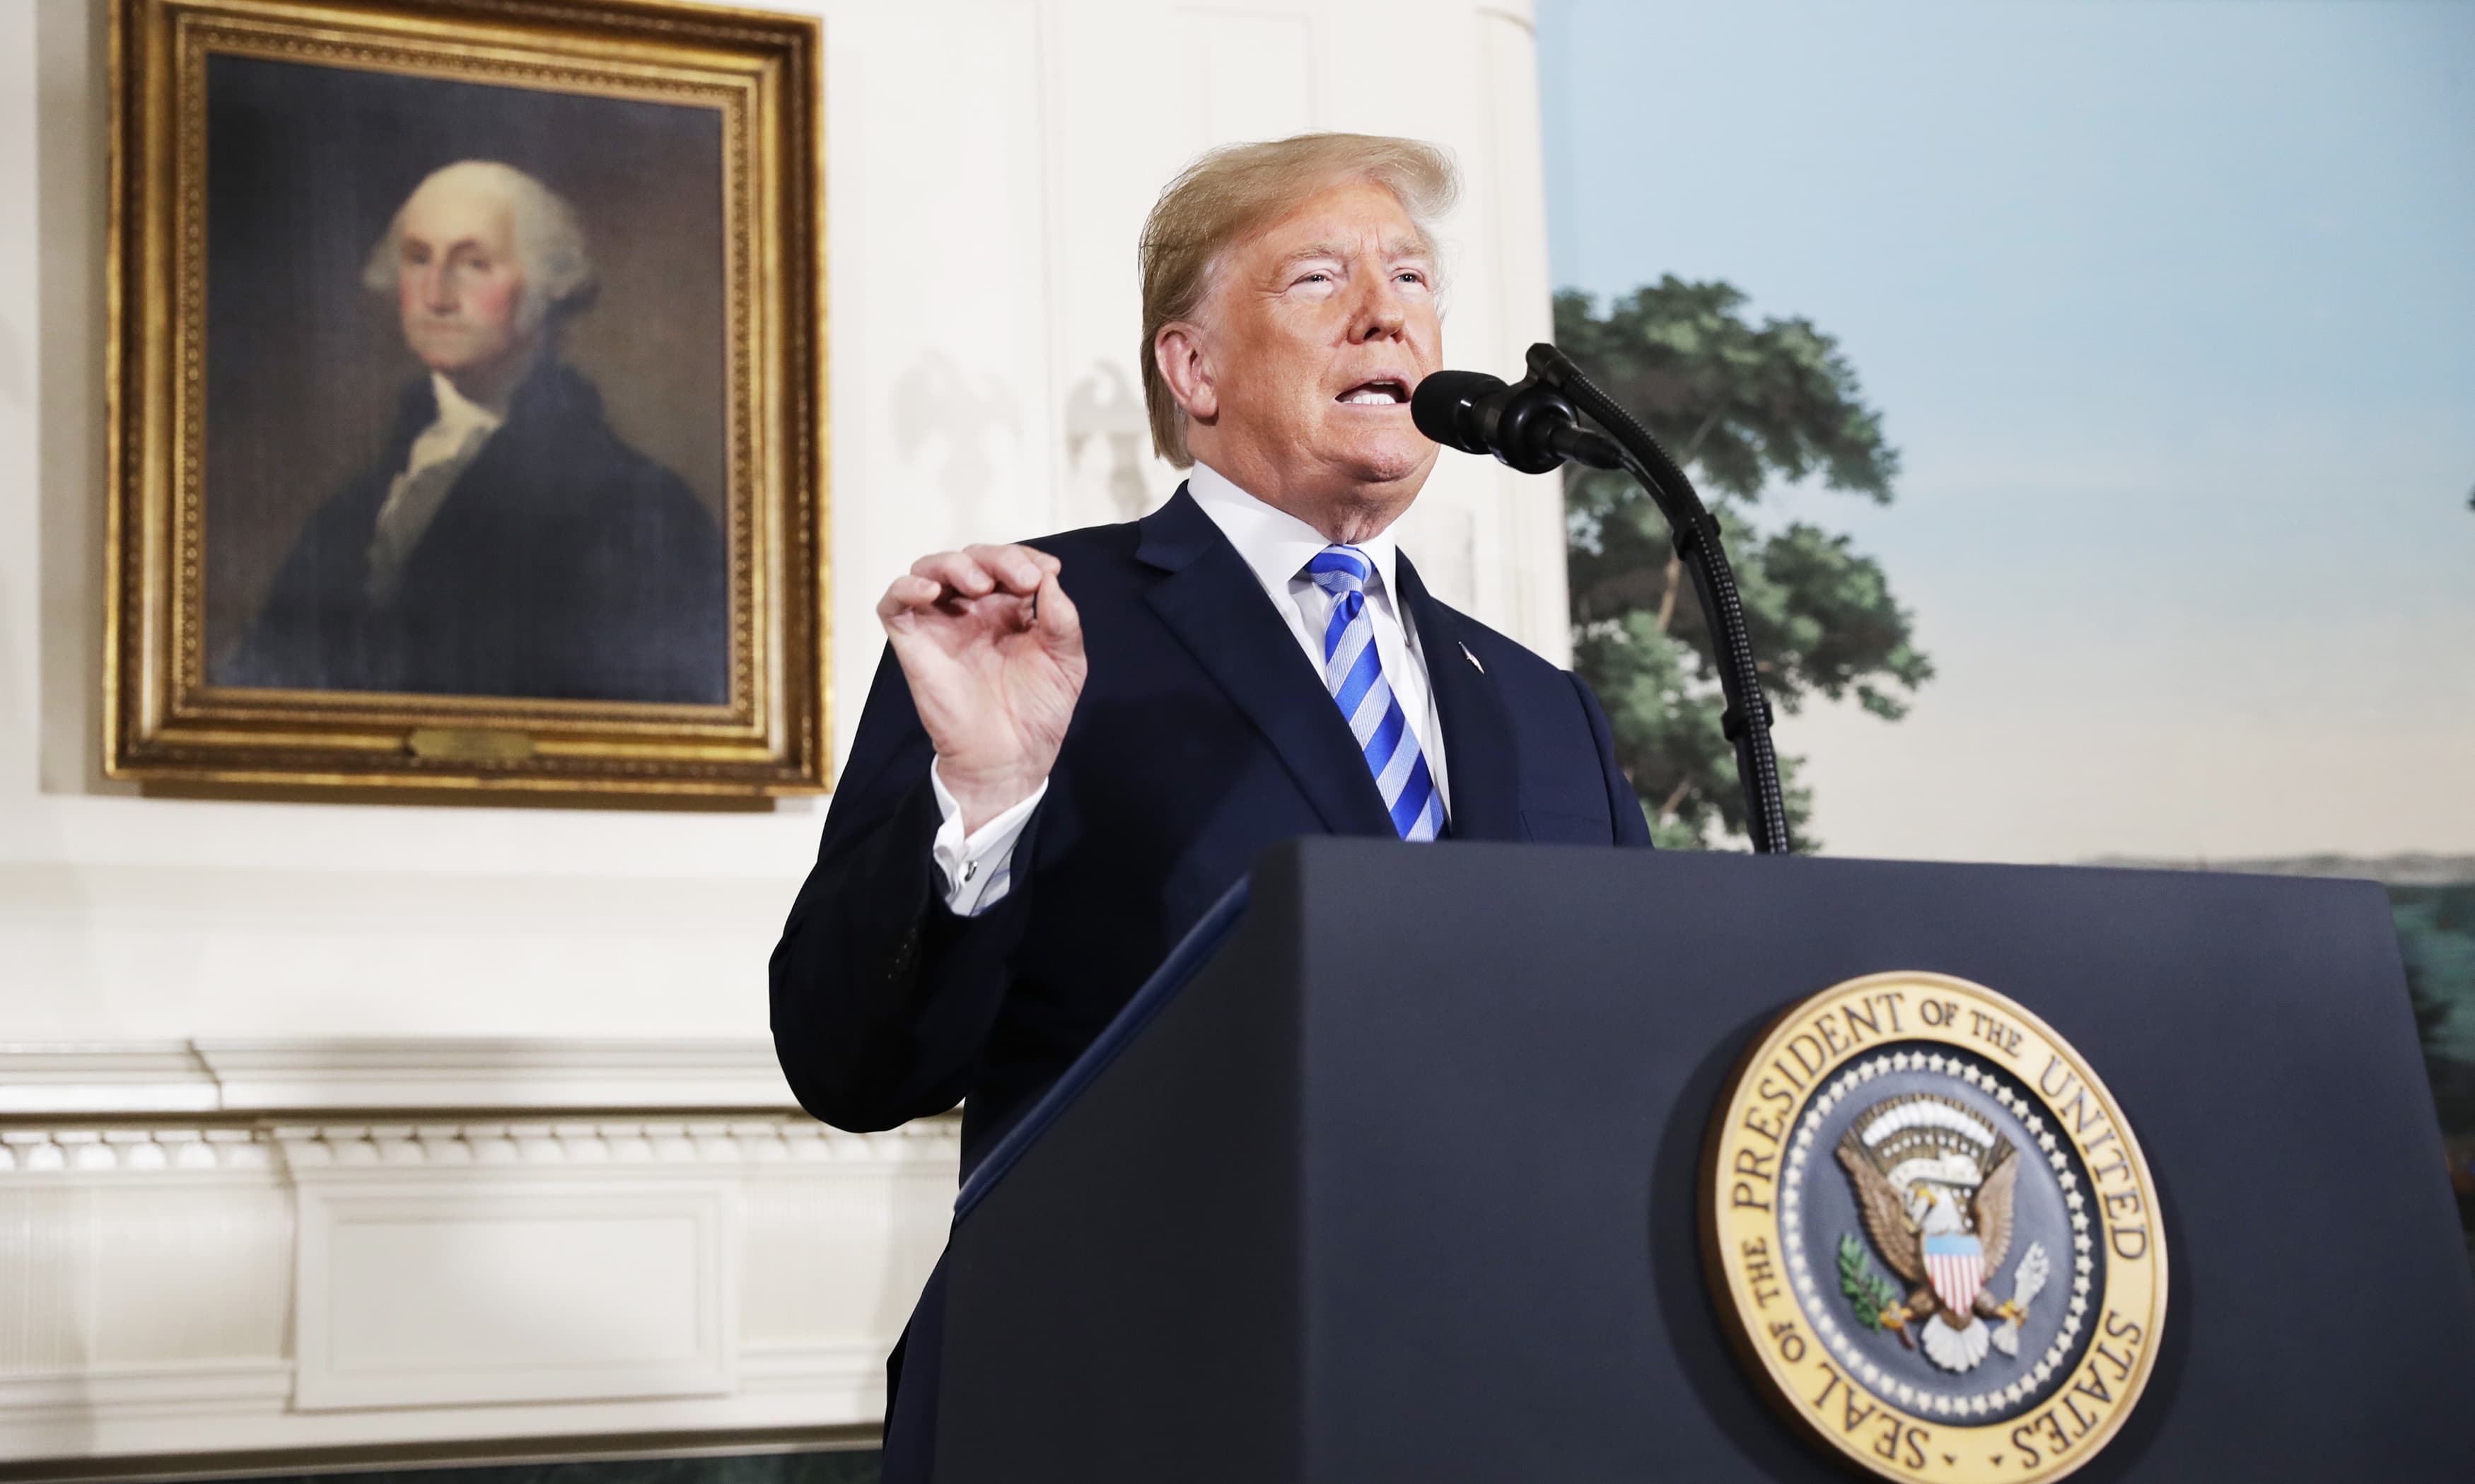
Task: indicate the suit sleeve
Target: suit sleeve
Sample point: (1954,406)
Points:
(1633,826)
(882,998)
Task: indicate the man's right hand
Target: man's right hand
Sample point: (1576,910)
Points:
(992,649)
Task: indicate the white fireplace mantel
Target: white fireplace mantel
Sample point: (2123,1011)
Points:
(275,1251)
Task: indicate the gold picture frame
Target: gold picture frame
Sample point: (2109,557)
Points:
(467,374)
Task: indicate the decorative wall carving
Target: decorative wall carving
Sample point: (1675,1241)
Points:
(40,1151)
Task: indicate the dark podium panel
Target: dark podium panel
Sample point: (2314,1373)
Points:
(1400,1183)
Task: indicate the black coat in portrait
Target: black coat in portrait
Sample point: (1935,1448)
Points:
(562,565)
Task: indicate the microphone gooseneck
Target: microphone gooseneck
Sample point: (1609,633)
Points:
(1535,427)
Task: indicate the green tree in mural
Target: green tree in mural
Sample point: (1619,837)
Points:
(1742,407)
(2436,928)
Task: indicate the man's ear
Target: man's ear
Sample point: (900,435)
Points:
(1178,350)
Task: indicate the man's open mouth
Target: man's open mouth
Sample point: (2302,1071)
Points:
(1381,392)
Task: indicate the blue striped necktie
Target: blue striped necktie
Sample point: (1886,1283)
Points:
(1353,673)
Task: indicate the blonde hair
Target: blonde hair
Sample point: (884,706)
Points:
(548,239)
(1239,188)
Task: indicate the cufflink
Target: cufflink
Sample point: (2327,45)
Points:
(1473,659)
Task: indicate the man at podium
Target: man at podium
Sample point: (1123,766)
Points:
(1046,791)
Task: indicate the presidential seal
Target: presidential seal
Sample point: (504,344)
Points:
(1932,1234)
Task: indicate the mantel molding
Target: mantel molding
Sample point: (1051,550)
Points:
(430,1244)
(791,1142)
(148,1077)
(410,1074)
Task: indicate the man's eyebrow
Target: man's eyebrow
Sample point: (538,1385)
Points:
(1315,249)
(475,243)
(1393,251)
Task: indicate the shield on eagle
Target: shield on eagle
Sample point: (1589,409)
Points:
(1956,1266)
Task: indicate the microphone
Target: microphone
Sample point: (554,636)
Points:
(1529,426)
(1534,425)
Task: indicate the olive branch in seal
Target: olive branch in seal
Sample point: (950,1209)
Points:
(1869,1293)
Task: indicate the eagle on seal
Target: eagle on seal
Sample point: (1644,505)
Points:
(1934,1185)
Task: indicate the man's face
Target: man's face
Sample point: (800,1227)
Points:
(1320,328)
(458,283)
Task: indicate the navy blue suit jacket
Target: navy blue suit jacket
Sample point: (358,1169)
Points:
(1201,739)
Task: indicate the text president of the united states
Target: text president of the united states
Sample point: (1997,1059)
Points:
(506,542)
(1075,746)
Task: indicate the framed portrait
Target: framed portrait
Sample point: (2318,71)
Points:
(467,362)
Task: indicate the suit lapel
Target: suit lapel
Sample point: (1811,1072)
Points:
(1479,759)
(1209,599)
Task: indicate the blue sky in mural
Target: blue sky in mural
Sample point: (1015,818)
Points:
(2169,309)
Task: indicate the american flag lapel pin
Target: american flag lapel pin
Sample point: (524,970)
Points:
(1473,659)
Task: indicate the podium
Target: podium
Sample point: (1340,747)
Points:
(1392,1173)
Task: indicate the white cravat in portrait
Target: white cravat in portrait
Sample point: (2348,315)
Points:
(440,454)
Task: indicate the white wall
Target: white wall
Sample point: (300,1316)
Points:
(311,1005)
(989,164)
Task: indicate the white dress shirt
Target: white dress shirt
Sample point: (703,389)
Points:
(440,454)
(1276,546)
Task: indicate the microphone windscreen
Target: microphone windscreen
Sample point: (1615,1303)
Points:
(1445,408)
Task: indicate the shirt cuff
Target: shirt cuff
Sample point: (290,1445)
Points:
(978,868)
